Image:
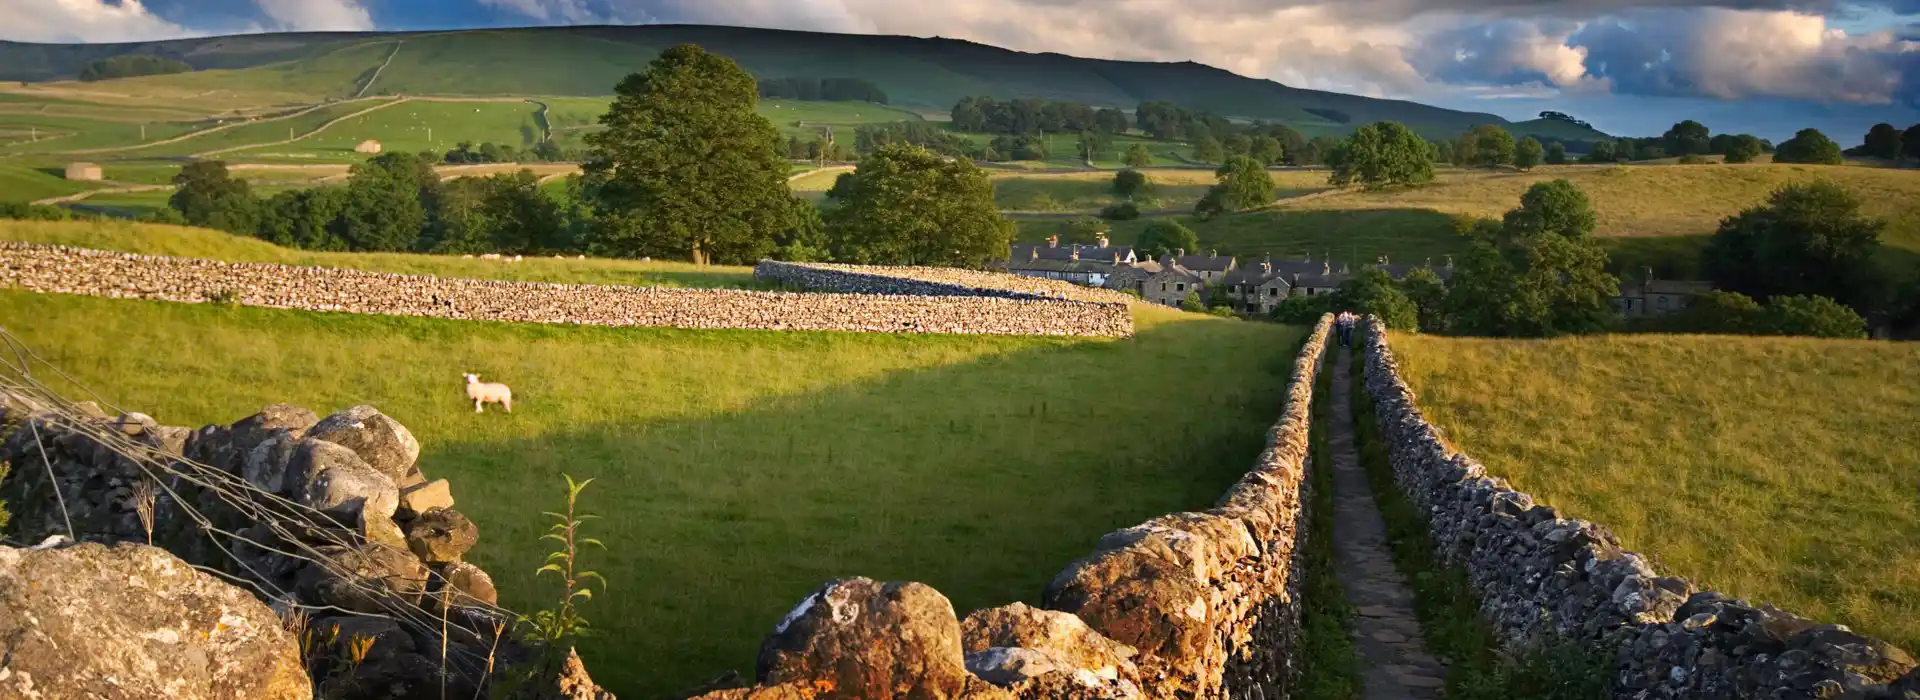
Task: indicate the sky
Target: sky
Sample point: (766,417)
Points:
(1632,67)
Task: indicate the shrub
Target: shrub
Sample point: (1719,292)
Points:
(1694,159)
(1815,316)
(1193,303)
(1165,236)
(1121,211)
(33,212)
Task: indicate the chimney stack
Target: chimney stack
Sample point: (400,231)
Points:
(1449,262)
(1075,254)
(1180,253)
(1053,241)
(1033,253)
(1102,240)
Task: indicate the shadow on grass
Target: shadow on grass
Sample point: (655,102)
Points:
(982,479)
(737,470)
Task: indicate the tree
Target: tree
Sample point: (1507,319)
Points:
(1599,152)
(1492,146)
(1429,296)
(1120,211)
(522,217)
(1910,142)
(1528,153)
(1314,152)
(1536,273)
(1244,183)
(1883,141)
(387,202)
(1208,150)
(906,205)
(1129,184)
(1382,155)
(1138,156)
(1743,148)
(1163,237)
(304,218)
(206,195)
(806,240)
(1556,153)
(1267,150)
(1082,230)
(1809,146)
(1211,205)
(1237,145)
(1687,138)
(1717,312)
(686,158)
(1807,239)
(1094,146)
(1373,291)
(1815,316)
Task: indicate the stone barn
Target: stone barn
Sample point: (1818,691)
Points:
(85,172)
(367,146)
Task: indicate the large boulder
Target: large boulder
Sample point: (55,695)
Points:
(333,479)
(860,638)
(130,621)
(382,442)
(1019,647)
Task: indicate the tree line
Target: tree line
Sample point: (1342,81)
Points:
(1026,116)
(822,89)
(685,169)
(131,66)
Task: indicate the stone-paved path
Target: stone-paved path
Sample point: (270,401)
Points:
(1394,661)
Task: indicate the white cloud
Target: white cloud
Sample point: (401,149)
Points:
(317,15)
(83,21)
(1734,54)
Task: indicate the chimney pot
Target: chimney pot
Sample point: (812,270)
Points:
(1053,241)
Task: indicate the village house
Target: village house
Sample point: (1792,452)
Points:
(1089,265)
(1177,274)
(1653,297)
(1261,287)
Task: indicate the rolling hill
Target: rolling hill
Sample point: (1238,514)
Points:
(920,73)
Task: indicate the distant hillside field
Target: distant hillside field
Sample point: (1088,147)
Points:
(1649,215)
(1781,470)
(736,470)
(928,74)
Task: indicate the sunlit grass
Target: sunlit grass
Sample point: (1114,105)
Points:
(1780,470)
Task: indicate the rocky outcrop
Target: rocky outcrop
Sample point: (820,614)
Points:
(965,310)
(1188,605)
(1541,576)
(133,622)
(304,509)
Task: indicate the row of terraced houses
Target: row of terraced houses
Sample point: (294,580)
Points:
(1260,286)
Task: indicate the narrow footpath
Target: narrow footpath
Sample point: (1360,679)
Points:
(1394,661)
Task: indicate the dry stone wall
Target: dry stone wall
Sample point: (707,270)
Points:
(1188,605)
(929,281)
(1541,577)
(265,501)
(65,270)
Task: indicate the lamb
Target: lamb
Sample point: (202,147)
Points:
(488,393)
(490,256)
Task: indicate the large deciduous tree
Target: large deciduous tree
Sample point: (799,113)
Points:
(1807,239)
(1528,153)
(1488,146)
(1809,146)
(1208,149)
(1883,141)
(1244,183)
(207,195)
(906,205)
(1381,155)
(1537,273)
(1138,156)
(1129,184)
(686,166)
(1165,236)
(388,202)
(1556,153)
(1743,148)
(1687,138)
(1910,142)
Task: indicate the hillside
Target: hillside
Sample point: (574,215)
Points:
(736,470)
(1649,215)
(928,74)
(1781,470)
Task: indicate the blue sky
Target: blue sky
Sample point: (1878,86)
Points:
(1767,67)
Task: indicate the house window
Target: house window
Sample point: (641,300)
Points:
(1273,292)
(1163,286)
(1181,287)
(1661,303)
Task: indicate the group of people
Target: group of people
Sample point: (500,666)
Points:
(1343,324)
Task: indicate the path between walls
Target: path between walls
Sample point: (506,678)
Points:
(1394,662)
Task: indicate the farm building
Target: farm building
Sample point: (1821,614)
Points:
(367,146)
(85,172)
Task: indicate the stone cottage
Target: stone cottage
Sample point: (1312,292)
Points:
(368,146)
(1089,265)
(85,172)
(1653,297)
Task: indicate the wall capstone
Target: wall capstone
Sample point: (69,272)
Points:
(1541,577)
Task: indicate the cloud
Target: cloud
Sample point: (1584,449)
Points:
(83,21)
(317,15)
(1728,54)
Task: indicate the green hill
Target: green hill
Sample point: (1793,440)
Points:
(927,74)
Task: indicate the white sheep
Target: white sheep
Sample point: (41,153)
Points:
(490,256)
(488,393)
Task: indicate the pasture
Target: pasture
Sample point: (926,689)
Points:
(1649,215)
(736,471)
(1783,470)
(1089,191)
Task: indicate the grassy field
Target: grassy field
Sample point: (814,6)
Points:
(1088,192)
(1780,470)
(1655,216)
(20,182)
(736,471)
(202,243)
